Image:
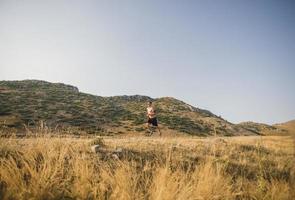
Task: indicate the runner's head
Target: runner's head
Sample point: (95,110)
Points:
(150,103)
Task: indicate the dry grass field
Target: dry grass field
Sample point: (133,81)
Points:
(51,167)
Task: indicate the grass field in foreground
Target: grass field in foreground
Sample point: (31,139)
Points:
(150,168)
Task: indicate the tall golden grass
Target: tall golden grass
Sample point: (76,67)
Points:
(150,168)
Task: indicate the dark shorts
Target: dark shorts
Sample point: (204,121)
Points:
(153,121)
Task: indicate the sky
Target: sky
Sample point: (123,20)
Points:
(233,57)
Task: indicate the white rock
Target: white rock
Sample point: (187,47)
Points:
(115,156)
(95,148)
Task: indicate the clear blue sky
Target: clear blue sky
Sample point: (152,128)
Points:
(235,58)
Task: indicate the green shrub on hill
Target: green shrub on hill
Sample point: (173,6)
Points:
(63,105)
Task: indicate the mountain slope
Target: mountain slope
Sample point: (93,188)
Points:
(289,126)
(262,129)
(61,106)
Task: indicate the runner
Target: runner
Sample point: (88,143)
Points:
(152,118)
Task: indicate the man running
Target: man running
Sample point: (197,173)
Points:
(152,118)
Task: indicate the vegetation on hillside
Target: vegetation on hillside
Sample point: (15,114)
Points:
(263,129)
(27,103)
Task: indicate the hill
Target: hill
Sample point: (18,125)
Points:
(263,129)
(63,106)
(289,126)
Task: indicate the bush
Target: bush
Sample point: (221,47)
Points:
(98,141)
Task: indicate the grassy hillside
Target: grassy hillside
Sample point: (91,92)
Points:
(27,103)
(289,126)
(263,129)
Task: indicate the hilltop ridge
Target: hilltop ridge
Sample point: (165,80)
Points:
(60,105)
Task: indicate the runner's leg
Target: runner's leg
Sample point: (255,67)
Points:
(149,128)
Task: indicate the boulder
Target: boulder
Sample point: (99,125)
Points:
(95,148)
(104,152)
(115,156)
